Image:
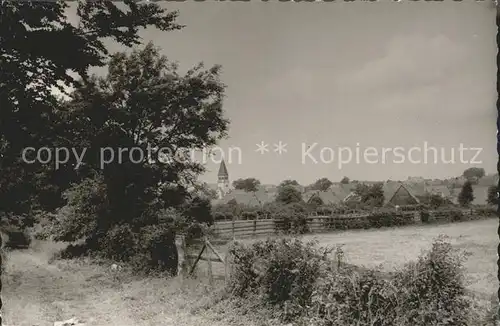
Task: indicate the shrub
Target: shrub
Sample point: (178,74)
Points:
(386,219)
(307,288)
(219,216)
(16,238)
(485,212)
(279,271)
(324,210)
(292,218)
(456,216)
(249,215)
(353,297)
(433,289)
(424,216)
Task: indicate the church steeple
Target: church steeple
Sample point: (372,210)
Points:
(223,170)
(222,180)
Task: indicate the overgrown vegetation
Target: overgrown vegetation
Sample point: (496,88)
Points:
(293,281)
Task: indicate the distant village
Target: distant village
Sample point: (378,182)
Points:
(409,191)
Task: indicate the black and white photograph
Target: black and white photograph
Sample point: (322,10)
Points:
(249,163)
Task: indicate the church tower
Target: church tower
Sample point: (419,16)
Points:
(222,181)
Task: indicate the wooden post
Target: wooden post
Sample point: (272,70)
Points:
(209,262)
(254,227)
(197,260)
(226,270)
(233,229)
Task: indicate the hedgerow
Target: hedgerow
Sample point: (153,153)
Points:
(300,283)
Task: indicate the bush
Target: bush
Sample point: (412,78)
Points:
(324,210)
(16,238)
(249,215)
(486,212)
(279,271)
(292,218)
(456,216)
(387,219)
(424,216)
(433,289)
(352,297)
(305,287)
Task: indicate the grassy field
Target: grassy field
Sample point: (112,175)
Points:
(37,292)
(391,248)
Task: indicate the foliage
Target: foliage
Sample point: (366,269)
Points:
(466,195)
(424,216)
(199,210)
(292,218)
(279,271)
(302,285)
(385,219)
(493,195)
(474,172)
(288,182)
(31,115)
(248,184)
(434,288)
(372,195)
(288,195)
(434,200)
(345,180)
(141,103)
(321,184)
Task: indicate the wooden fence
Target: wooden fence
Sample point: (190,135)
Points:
(315,224)
(190,255)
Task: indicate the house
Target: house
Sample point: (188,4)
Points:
(395,193)
(328,197)
(441,190)
(400,194)
(257,198)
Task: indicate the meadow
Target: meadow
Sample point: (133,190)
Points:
(38,291)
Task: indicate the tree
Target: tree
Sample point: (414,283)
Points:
(466,195)
(288,183)
(345,180)
(144,103)
(474,173)
(248,184)
(288,195)
(436,201)
(492,195)
(198,210)
(371,195)
(31,114)
(321,184)
(30,67)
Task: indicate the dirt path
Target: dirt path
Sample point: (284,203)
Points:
(38,293)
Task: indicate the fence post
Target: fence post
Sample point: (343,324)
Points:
(209,262)
(226,269)
(254,228)
(233,229)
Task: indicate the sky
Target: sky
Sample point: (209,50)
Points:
(353,75)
